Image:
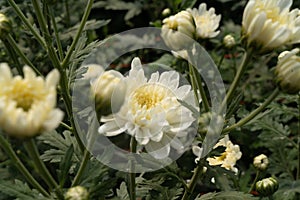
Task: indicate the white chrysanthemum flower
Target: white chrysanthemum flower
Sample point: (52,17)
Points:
(151,111)
(228,158)
(206,21)
(270,24)
(177,30)
(27,105)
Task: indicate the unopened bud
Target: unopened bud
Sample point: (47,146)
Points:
(287,71)
(166,12)
(267,186)
(229,41)
(261,162)
(5,25)
(77,193)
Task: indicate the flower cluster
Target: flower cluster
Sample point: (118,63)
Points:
(151,112)
(27,105)
(179,30)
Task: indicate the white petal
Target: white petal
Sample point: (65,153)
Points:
(52,78)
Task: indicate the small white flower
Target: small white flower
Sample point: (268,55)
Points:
(206,21)
(228,158)
(178,30)
(151,111)
(270,24)
(27,105)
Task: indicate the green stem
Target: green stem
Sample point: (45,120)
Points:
(255,180)
(27,23)
(253,113)
(240,72)
(12,54)
(78,34)
(191,186)
(41,168)
(132,184)
(17,162)
(58,42)
(298,167)
(40,18)
(15,46)
(67,12)
(86,157)
(197,85)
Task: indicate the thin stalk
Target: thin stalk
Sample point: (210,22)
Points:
(11,52)
(240,72)
(78,34)
(86,157)
(67,12)
(197,85)
(191,186)
(255,180)
(298,167)
(27,23)
(132,184)
(15,46)
(58,42)
(41,168)
(17,162)
(40,17)
(253,113)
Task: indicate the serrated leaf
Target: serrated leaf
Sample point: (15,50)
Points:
(19,190)
(122,192)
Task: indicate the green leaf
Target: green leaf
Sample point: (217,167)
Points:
(19,190)
(230,195)
(187,4)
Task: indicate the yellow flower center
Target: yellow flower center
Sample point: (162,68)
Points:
(203,19)
(25,94)
(150,95)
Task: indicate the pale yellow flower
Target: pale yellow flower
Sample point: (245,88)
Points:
(268,25)
(151,111)
(27,105)
(206,21)
(178,30)
(228,158)
(287,71)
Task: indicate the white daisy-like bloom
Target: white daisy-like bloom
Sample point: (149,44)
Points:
(151,111)
(178,30)
(228,158)
(206,21)
(27,105)
(287,71)
(270,24)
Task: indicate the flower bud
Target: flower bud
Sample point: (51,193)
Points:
(261,162)
(5,25)
(287,71)
(77,193)
(229,41)
(267,186)
(166,12)
(109,92)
